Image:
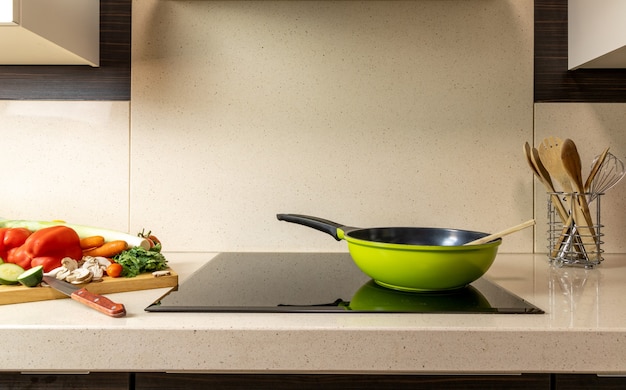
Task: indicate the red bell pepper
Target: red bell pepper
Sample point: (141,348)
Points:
(47,247)
(12,238)
(19,256)
(49,262)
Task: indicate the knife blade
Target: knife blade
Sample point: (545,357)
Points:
(80,294)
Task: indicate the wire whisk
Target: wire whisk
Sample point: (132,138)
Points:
(610,173)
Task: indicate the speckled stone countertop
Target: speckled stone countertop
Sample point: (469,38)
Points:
(583,330)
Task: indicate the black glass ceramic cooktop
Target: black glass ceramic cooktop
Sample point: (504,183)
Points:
(319,282)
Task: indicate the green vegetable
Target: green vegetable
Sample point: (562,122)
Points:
(9,273)
(32,277)
(138,260)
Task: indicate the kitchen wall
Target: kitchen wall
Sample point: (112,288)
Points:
(367,113)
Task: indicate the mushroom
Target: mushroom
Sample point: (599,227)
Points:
(54,272)
(67,266)
(69,263)
(93,265)
(103,261)
(96,274)
(79,276)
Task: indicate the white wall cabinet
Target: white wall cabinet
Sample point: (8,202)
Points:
(596,34)
(50,32)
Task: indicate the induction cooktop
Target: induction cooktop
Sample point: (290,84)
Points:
(245,282)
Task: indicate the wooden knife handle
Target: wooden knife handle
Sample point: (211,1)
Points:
(99,302)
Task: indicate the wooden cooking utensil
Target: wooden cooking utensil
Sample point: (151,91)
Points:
(595,168)
(557,202)
(565,216)
(572,164)
(502,233)
(597,163)
(544,177)
(550,154)
(582,217)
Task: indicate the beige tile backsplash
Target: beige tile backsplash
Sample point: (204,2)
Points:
(65,160)
(367,113)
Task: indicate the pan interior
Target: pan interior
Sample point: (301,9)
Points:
(417,236)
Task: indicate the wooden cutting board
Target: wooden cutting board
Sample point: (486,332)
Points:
(19,294)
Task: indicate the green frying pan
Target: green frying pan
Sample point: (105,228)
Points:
(372,297)
(411,258)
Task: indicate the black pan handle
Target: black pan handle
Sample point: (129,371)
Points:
(321,224)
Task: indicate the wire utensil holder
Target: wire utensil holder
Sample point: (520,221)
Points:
(569,242)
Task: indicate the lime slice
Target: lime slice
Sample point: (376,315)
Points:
(9,273)
(32,277)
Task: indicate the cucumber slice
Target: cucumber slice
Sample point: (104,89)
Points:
(32,277)
(9,273)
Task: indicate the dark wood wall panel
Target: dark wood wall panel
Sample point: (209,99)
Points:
(553,82)
(111,81)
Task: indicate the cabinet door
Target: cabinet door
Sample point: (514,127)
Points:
(154,381)
(588,381)
(111,81)
(93,381)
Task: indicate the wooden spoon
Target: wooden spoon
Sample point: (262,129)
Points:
(544,177)
(571,162)
(595,168)
(550,154)
(547,181)
(573,167)
(502,233)
(565,216)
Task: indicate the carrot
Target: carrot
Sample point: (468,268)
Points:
(108,249)
(91,242)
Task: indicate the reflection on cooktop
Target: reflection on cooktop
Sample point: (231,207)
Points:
(319,282)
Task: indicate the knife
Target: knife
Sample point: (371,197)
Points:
(80,294)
